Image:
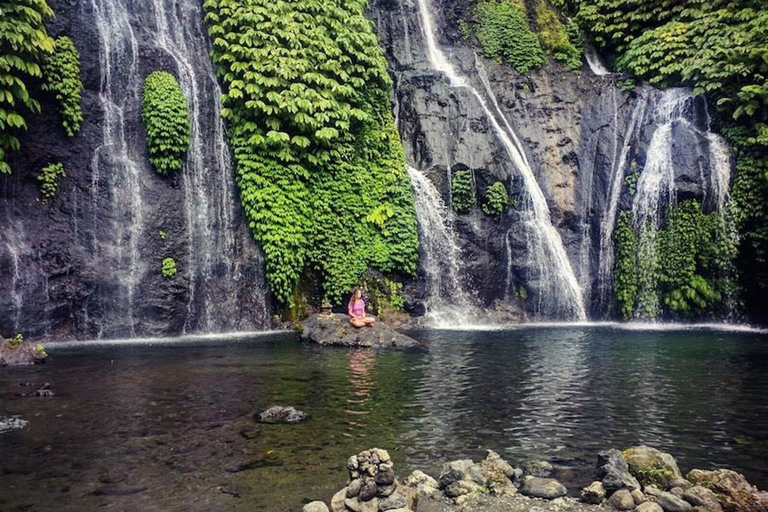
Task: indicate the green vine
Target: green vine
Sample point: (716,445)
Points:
(496,200)
(501,27)
(49,180)
(319,162)
(463,191)
(166,120)
(168,268)
(625,272)
(555,38)
(61,76)
(24,43)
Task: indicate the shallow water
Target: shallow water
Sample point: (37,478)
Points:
(149,427)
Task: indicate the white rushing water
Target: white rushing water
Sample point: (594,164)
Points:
(114,160)
(560,293)
(595,62)
(448,302)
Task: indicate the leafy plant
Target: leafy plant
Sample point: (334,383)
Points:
(49,180)
(61,76)
(625,271)
(163,235)
(463,191)
(521,293)
(501,27)
(319,162)
(16,340)
(496,200)
(166,121)
(169,268)
(554,36)
(465,29)
(24,43)
(40,351)
(630,182)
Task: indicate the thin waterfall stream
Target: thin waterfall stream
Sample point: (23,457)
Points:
(560,294)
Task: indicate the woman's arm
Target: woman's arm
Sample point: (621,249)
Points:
(349,309)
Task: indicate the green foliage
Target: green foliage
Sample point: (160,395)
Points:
(166,120)
(521,293)
(24,43)
(319,163)
(395,298)
(554,36)
(496,200)
(49,180)
(168,268)
(465,29)
(630,182)
(502,28)
(657,475)
(463,191)
(163,235)
(16,340)
(61,76)
(625,272)
(40,351)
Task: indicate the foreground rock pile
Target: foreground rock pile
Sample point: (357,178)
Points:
(640,479)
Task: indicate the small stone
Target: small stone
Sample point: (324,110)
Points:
(385,478)
(638,496)
(652,490)
(356,505)
(383,455)
(422,482)
(671,503)
(538,487)
(372,470)
(393,502)
(540,468)
(368,491)
(699,496)
(280,414)
(353,489)
(375,459)
(649,506)
(386,466)
(622,500)
(352,463)
(315,506)
(593,494)
(681,483)
(354,474)
(338,501)
(460,488)
(385,490)
(454,471)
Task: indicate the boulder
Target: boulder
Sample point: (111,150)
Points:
(638,496)
(315,506)
(335,330)
(357,505)
(652,490)
(15,352)
(671,503)
(651,466)
(622,500)
(497,474)
(612,469)
(540,468)
(338,501)
(280,414)
(593,494)
(705,500)
(395,501)
(733,491)
(538,487)
(455,471)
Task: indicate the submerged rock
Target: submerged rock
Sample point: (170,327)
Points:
(11,423)
(280,414)
(335,330)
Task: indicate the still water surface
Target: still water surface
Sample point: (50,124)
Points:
(138,427)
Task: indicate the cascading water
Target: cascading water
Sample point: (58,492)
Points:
(214,279)
(559,292)
(595,62)
(448,303)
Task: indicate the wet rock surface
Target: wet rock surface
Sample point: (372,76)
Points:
(335,330)
(281,414)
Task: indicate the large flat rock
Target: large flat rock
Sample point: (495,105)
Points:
(335,330)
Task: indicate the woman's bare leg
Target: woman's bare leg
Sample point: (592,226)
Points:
(357,322)
(369,321)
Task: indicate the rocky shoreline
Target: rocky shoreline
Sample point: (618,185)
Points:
(639,479)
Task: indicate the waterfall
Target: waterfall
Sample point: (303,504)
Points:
(448,303)
(116,160)
(560,293)
(595,62)
(217,296)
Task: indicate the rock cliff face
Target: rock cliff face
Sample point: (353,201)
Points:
(579,132)
(88,264)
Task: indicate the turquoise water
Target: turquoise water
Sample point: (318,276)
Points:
(149,426)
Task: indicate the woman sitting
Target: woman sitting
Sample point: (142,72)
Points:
(356,310)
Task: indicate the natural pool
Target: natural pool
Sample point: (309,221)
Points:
(170,427)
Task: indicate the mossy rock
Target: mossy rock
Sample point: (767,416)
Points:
(20,353)
(651,466)
(732,490)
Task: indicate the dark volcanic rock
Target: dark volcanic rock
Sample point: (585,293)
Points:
(335,330)
(23,354)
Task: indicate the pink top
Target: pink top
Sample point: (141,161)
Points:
(357,307)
